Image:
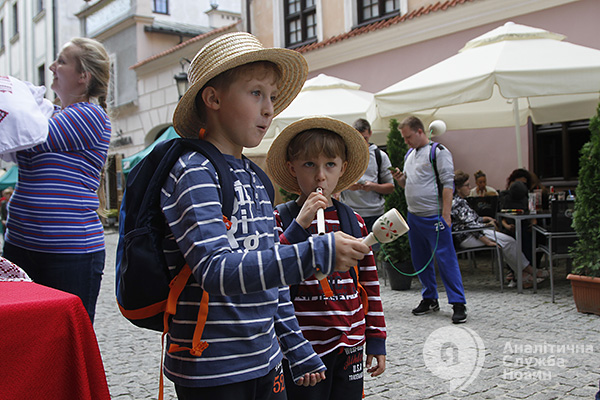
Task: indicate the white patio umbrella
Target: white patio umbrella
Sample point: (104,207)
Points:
(322,95)
(500,79)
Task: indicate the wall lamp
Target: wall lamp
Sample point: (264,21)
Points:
(181,78)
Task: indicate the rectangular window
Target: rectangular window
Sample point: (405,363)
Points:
(300,22)
(161,6)
(15,20)
(372,10)
(39,6)
(42,75)
(2,34)
(556,149)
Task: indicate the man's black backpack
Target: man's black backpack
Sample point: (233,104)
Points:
(348,224)
(142,276)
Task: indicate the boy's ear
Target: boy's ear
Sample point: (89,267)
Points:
(210,97)
(291,168)
(344,165)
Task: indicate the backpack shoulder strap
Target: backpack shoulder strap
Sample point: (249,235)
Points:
(348,221)
(287,212)
(216,158)
(378,161)
(433,160)
(407,153)
(349,224)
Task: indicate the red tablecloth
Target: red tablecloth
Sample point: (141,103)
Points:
(48,348)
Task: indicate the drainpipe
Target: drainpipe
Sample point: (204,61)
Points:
(248,14)
(55,29)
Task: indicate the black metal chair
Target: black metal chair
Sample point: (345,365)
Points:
(497,259)
(559,237)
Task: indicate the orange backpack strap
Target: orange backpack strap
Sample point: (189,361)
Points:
(326,288)
(198,346)
(362,292)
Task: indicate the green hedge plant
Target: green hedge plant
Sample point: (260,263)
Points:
(398,250)
(586,251)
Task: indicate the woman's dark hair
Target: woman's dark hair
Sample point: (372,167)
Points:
(516,174)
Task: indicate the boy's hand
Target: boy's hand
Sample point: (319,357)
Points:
(309,209)
(311,379)
(348,251)
(378,369)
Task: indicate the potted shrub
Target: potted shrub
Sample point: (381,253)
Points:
(585,279)
(398,251)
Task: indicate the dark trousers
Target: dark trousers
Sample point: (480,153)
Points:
(268,387)
(344,378)
(79,274)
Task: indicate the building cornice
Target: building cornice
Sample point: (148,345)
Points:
(437,20)
(181,50)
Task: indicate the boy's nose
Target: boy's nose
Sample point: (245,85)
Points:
(320,176)
(268,108)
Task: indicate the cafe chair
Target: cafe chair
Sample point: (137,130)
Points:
(558,238)
(497,260)
(486,206)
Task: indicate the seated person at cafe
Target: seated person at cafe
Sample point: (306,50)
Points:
(464,217)
(517,198)
(481,188)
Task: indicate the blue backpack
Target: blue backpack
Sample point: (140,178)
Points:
(144,285)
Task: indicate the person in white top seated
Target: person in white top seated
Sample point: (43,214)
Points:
(481,188)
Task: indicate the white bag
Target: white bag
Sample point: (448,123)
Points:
(24,114)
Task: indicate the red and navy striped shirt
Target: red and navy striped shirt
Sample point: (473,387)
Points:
(330,323)
(53,208)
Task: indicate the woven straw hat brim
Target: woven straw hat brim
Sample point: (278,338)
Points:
(230,51)
(357,152)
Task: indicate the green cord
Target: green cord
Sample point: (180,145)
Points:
(437,238)
(388,259)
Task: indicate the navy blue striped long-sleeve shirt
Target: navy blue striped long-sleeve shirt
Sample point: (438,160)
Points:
(245,272)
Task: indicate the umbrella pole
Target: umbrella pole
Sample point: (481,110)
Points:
(517,131)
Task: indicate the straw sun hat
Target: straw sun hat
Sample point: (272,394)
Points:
(356,148)
(229,51)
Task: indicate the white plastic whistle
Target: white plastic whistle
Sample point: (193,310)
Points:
(320,217)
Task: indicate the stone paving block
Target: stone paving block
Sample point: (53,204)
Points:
(502,320)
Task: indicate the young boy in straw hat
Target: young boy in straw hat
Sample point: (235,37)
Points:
(334,314)
(236,88)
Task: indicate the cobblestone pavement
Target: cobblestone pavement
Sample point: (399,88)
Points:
(513,346)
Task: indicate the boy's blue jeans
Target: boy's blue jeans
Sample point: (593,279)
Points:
(79,274)
(422,237)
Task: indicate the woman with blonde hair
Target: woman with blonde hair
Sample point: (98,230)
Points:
(53,231)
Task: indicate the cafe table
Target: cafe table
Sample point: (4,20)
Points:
(48,348)
(519,218)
